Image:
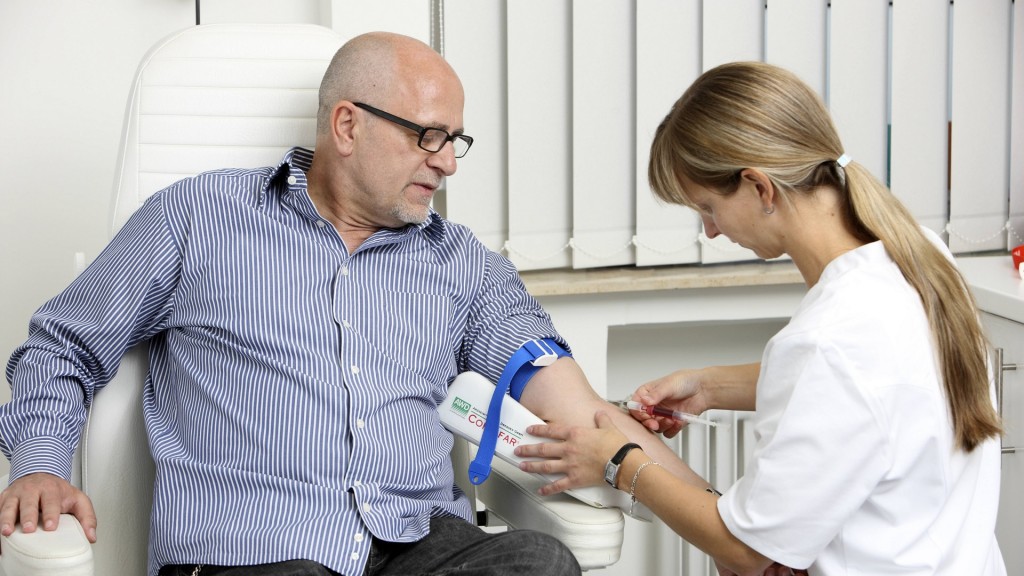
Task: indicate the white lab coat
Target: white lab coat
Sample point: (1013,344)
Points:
(854,469)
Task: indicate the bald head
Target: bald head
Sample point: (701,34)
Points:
(373,66)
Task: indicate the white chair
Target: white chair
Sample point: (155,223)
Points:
(215,96)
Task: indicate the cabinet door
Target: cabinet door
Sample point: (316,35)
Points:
(1009,336)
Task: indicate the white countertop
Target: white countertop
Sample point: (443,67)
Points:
(998,288)
(631,279)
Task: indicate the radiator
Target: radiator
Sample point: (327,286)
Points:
(719,455)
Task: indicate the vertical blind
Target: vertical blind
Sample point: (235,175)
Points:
(1016,222)
(563,97)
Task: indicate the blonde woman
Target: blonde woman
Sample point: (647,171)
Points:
(877,442)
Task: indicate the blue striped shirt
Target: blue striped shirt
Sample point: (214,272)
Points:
(291,402)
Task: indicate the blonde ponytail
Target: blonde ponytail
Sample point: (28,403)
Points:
(947,301)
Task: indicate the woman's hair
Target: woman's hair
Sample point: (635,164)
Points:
(754,115)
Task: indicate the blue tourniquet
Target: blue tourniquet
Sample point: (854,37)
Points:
(534,355)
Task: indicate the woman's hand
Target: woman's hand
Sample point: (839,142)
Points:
(681,390)
(580,456)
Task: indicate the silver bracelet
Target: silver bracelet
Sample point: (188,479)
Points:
(632,485)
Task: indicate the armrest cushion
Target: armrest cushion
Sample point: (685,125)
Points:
(61,552)
(593,534)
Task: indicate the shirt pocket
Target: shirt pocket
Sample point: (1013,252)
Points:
(413,329)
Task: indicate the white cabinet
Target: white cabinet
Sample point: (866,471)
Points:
(1008,336)
(999,291)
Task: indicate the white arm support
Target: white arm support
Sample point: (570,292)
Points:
(589,521)
(64,551)
(464,413)
(594,535)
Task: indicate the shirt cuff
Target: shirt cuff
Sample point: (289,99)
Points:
(41,454)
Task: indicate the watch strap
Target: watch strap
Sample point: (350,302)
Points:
(621,454)
(611,469)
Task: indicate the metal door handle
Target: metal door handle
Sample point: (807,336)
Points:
(1000,368)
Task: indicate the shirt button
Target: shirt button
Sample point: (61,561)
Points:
(344,270)
(346,324)
(321,223)
(357,483)
(355,369)
(358,537)
(366,507)
(292,180)
(355,555)
(360,423)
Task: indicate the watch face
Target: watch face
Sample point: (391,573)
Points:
(610,471)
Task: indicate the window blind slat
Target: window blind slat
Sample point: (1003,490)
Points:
(539,133)
(732,30)
(353,17)
(980,140)
(474,45)
(603,134)
(1015,236)
(858,84)
(919,146)
(795,39)
(667,61)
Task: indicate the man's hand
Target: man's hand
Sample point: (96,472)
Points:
(44,497)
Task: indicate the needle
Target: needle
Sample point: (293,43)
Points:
(673,414)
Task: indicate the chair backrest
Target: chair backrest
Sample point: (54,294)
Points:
(210,96)
(219,96)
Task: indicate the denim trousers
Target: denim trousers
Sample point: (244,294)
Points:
(454,547)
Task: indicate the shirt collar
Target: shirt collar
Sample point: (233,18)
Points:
(298,161)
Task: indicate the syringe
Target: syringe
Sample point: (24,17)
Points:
(673,414)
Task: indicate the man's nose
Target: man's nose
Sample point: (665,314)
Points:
(444,159)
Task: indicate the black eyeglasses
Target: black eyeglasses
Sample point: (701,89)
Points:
(431,139)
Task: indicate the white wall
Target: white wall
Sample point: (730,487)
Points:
(66,73)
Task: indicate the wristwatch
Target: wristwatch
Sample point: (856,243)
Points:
(611,469)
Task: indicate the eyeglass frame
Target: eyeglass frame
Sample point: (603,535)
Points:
(421,130)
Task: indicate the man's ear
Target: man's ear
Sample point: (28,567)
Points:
(762,184)
(343,127)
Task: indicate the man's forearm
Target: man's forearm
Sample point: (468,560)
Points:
(561,394)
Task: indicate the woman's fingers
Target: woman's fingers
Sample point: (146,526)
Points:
(542,450)
(552,431)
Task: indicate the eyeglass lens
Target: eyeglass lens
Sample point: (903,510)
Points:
(433,139)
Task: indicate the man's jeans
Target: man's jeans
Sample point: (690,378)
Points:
(453,547)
